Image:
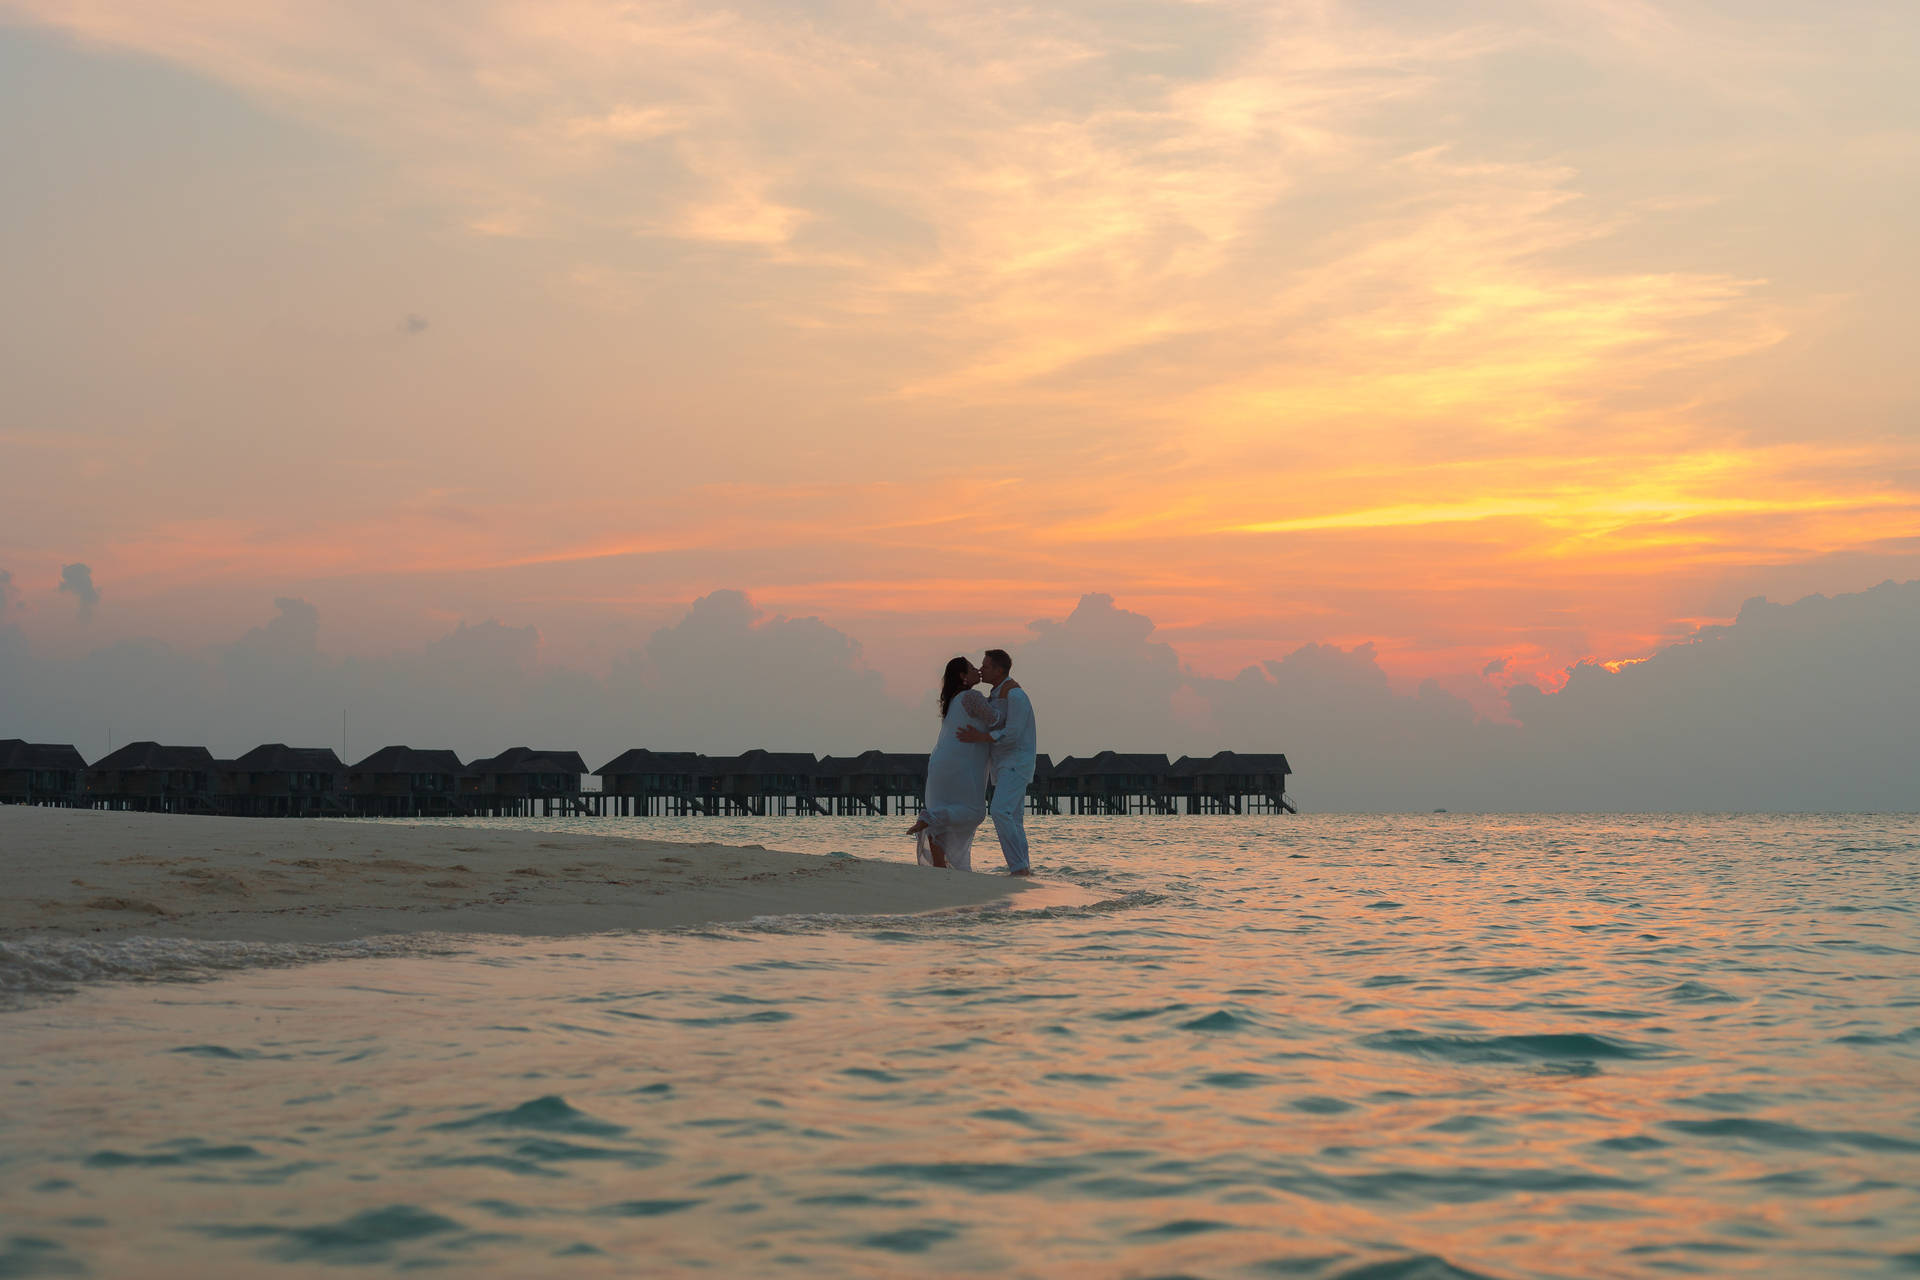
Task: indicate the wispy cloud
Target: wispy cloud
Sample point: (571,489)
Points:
(1221,294)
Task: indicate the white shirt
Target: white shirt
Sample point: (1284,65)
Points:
(1016,740)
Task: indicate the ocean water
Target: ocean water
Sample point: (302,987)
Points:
(1362,1048)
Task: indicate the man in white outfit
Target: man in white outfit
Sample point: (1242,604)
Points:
(1009,760)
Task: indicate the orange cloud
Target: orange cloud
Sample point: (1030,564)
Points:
(1281,322)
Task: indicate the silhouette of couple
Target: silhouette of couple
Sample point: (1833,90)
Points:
(982,737)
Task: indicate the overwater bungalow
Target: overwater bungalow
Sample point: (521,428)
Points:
(642,782)
(275,780)
(1231,782)
(1040,796)
(1111,782)
(520,779)
(152,777)
(41,773)
(753,780)
(874,782)
(401,782)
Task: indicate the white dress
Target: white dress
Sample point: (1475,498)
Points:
(957,783)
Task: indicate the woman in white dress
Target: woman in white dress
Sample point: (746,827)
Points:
(956,801)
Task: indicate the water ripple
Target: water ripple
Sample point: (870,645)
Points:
(1333,1048)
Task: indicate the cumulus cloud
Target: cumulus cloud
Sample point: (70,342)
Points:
(1801,706)
(292,635)
(1807,705)
(729,677)
(77,581)
(1810,705)
(1108,683)
(723,678)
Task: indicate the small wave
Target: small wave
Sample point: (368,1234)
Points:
(1135,1015)
(645,1208)
(975,1175)
(368,1237)
(1775,1133)
(1457,1186)
(1580,1046)
(908,1239)
(550,1114)
(46,966)
(1910,1036)
(1417,1267)
(37,1256)
(182,1153)
(1043,900)
(1180,1228)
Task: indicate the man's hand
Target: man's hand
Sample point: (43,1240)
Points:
(969,733)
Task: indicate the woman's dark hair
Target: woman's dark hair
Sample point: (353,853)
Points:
(952,681)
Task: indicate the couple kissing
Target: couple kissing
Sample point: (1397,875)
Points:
(982,737)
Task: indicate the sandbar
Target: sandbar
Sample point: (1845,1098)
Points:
(81,872)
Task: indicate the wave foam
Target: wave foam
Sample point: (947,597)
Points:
(53,965)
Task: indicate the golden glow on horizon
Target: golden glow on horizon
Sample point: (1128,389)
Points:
(1280,323)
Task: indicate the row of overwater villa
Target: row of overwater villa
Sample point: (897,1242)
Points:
(275,780)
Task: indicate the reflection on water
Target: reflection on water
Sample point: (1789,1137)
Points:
(1327,1047)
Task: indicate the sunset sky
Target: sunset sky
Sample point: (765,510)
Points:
(1499,335)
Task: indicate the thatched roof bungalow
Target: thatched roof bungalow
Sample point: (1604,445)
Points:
(641,772)
(522,772)
(147,775)
(1230,773)
(41,773)
(1109,773)
(404,782)
(275,780)
(761,773)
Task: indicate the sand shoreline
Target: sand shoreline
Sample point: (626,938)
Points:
(86,873)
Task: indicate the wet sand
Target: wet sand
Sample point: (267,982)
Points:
(88,873)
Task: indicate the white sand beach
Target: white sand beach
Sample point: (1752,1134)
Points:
(82,872)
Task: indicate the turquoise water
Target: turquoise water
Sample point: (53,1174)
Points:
(1321,1047)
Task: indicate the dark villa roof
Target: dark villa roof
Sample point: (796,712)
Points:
(1110,762)
(761,761)
(527,760)
(408,760)
(15,754)
(1229,764)
(872,764)
(899,763)
(137,756)
(278,757)
(641,760)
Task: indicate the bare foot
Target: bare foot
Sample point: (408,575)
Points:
(917,827)
(1024,871)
